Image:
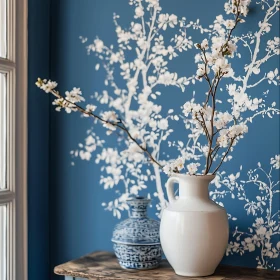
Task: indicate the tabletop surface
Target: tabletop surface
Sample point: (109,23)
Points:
(104,266)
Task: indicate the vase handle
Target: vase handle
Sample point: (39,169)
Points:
(170,189)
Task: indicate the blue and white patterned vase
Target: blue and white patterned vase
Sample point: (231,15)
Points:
(136,239)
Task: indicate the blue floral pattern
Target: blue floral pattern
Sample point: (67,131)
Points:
(138,257)
(137,231)
(252,203)
(136,239)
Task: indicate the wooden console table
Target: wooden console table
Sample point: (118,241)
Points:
(104,266)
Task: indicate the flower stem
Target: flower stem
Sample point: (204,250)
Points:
(120,124)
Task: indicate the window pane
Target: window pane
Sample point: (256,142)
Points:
(3,28)
(3,130)
(3,242)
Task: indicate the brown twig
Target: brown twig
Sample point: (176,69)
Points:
(120,124)
(203,124)
(226,153)
(210,158)
(215,151)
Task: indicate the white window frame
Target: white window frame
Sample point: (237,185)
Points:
(15,197)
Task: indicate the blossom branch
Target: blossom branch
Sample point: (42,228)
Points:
(208,159)
(224,156)
(258,82)
(257,46)
(63,102)
(215,151)
(203,125)
(224,51)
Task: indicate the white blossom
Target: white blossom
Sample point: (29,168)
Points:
(173,20)
(191,107)
(111,117)
(74,96)
(270,75)
(222,66)
(223,139)
(137,28)
(168,169)
(47,86)
(62,103)
(139,12)
(223,119)
(85,155)
(202,70)
(275,162)
(165,19)
(153,124)
(205,44)
(90,108)
(179,163)
(229,24)
(163,124)
(237,130)
(192,168)
(98,44)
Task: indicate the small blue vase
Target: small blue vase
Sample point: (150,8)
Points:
(136,239)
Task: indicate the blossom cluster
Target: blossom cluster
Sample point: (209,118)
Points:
(221,47)
(216,59)
(275,162)
(231,134)
(142,57)
(67,102)
(46,85)
(237,6)
(206,119)
(261,212)
(221,44)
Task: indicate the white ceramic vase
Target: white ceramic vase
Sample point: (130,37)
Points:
(194,229)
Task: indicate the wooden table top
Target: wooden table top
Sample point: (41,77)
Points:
(104,266)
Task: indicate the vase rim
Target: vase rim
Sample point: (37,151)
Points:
(196,176)
(138,198)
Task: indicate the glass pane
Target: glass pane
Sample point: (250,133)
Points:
(3,242)
(3,28)
(3,130)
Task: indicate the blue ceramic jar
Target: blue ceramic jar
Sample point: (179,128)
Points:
(136,239)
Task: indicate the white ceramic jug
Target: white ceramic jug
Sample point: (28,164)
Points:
(194,229)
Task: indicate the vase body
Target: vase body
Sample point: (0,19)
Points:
(194,229)
(136,239)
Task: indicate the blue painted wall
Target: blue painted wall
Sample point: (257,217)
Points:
(77,223)
(38,141)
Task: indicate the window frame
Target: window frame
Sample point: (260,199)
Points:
(15,196)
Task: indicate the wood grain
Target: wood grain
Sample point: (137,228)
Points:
(104,266)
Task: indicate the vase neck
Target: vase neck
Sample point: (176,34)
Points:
(138,207)
(194,186)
